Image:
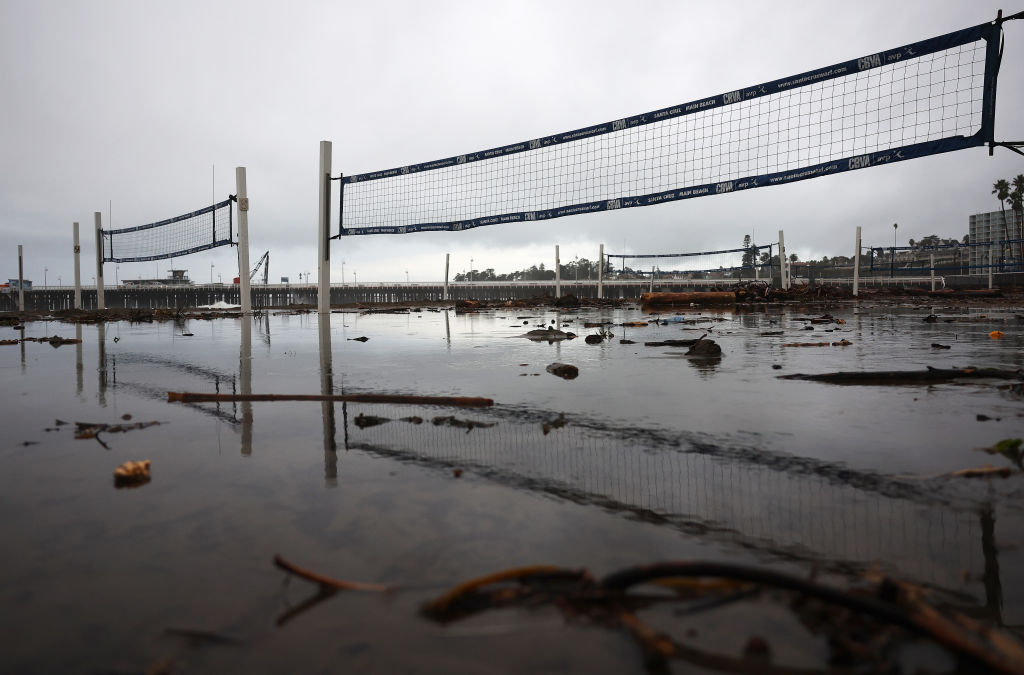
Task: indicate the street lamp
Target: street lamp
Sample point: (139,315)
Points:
(407,276)
(892,258)
(355,278)
(211,273)
(117,272)
(471,269)
(342,271)
(45,270)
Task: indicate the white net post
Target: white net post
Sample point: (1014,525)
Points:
(243,241)
(100,300)
(78,267)
(324,241)
(856,265)
(447,260)
(931,264)
(783,263)
(600,272)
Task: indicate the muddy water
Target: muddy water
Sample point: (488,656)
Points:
(648,455)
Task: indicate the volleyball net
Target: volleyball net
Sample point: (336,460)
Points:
(200,230)
(736,263)
(925,98)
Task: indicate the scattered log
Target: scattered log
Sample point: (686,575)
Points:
(673,343)
(986,471)
(397,399)
(841,343)
(898,377)
(689,297)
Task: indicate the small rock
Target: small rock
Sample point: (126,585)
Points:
(705,348)
(594,339)
(564,370)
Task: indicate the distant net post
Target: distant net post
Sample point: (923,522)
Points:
(600,272)
(447,259)
(78,268)
(558,274)
(100,301)
(21,282)
(323,240)
(856,265)
(243,241)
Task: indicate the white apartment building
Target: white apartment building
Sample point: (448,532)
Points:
(991,227)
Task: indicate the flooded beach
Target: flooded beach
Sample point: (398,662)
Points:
(648,455)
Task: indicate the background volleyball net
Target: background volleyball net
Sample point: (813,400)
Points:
(925,98)
(736,264)
(200,230)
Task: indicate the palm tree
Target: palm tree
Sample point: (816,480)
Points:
(1016,200)
(1001,189)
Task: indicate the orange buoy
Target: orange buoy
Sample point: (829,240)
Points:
(996,334)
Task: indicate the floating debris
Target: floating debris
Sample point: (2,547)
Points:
(897,377)
(132,474)
(365,421)
(556,423)
(841,343)
(359,339)
(468,425)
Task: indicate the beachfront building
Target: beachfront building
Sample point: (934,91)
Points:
(995,226)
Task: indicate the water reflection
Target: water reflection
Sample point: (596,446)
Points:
(79,367)
(327,407)
(245,381)
(731,490)
(101,343)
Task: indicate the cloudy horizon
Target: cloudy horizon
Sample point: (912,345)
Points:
(142,111)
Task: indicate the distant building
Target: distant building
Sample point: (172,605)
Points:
(992,227)
(12,285)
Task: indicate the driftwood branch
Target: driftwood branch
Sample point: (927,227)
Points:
(398,399)
(929,376)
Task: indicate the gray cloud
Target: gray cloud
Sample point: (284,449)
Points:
(134,102)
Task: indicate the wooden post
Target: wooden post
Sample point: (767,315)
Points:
(600,272)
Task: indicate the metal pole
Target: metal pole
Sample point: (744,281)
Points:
(783,280)
(447,260)
(558,274)
(101,302)
(324,242)
(652,278)
(243,242)
(21,282)
(600,272)
(932,265)
(990,265)
(78,269)
(856,266)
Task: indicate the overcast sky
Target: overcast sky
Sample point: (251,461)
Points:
(126,108)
